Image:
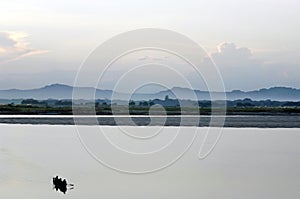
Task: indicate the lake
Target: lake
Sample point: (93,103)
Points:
(246,163)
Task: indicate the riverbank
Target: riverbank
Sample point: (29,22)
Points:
(237,121)
(135,110)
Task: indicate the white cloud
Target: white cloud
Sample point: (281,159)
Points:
(14,46)
(242,69)
(229,55)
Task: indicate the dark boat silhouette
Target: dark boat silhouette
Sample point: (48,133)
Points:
(60,184)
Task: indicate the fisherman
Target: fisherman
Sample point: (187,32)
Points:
(61,185)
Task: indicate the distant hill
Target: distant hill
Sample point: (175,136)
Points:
(274,93)
(54,91)
(61,91)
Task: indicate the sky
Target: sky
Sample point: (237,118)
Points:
(255,44)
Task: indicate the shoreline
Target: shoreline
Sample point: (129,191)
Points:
(258,121)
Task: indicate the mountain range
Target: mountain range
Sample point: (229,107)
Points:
(61,91)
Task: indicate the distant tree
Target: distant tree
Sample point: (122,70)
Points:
(151,103)
(63,103)
(11,104)
(239,104)
(131,103)
(245,104)
(30,101)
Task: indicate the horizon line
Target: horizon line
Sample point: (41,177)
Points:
(67,85)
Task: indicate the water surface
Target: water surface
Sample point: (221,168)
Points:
(246,163)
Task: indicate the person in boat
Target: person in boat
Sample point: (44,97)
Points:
(61,185)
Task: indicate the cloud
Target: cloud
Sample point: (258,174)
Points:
(14,46)
(240,68)
(152,58)
(229,55)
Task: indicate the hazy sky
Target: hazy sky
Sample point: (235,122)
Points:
(255,43)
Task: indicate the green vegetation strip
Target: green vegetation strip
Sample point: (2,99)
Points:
(138,110)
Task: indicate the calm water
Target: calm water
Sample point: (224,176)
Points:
(246,163)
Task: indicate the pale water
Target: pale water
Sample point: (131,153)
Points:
(246,163)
